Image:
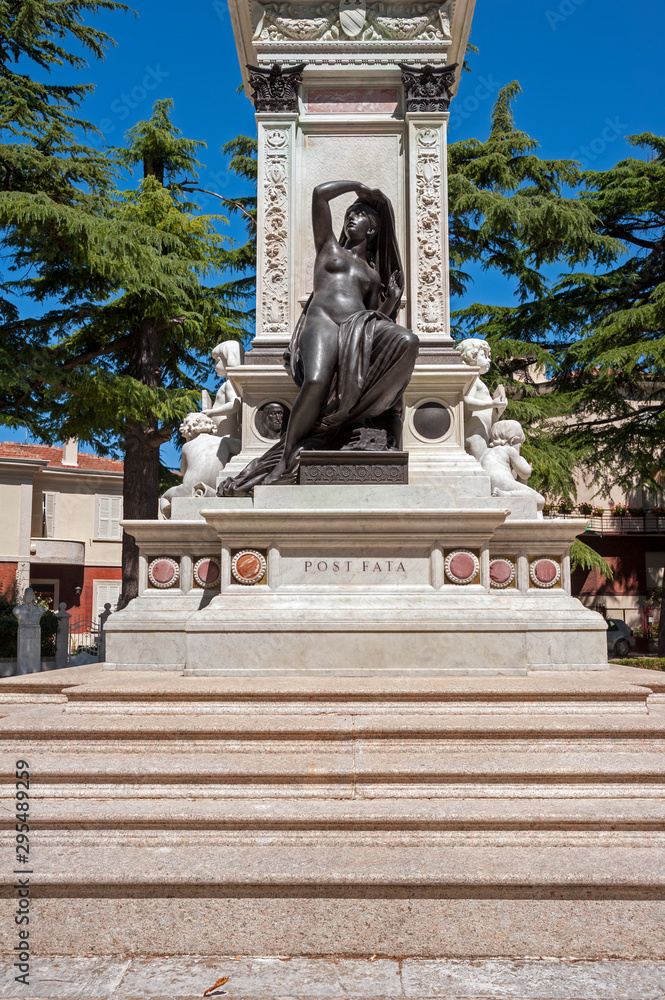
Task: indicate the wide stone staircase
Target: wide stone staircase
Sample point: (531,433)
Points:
(434,817)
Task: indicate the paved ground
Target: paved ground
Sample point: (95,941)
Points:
(185,978)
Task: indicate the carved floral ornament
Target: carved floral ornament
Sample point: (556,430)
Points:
(429,234)
(357,20)
(274,287)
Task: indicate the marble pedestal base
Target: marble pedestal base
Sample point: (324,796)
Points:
(359,580)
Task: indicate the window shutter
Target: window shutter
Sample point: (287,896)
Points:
(49,515)
(110,515)
(107,592)
(116,516)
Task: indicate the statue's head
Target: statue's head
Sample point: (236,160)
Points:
(226,355)
(361,221)
(476,352)
(506,432)
(195,424)
(274,416)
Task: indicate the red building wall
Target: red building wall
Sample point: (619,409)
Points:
(7,574)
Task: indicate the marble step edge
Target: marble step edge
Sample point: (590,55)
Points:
(196,839)
(52,722)
(317,870)
(96,677)
(552,685)
(405,789)
(358,764)
(219,813)
(555,706)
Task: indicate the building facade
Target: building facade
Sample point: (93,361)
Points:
(60,526)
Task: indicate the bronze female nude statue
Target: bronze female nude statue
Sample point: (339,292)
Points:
(347,354)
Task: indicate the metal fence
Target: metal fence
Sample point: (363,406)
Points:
(609,524)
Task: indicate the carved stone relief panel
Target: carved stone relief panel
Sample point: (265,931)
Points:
(429,228)
(360,20)
(273,278)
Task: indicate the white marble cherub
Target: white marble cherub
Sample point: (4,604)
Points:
(481,409)
(508,470)
(225,411)
(202,458)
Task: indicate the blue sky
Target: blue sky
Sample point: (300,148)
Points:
(590,70)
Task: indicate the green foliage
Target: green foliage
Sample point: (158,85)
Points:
(582,356)
(582,556)
(8,623)
(643,662)
(613,365)
(130,288)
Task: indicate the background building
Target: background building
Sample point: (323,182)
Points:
(60,524)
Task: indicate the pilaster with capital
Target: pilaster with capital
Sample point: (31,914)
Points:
(428,91)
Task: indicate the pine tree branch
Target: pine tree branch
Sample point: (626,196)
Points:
(619,233)
(115,345)
(170,323)
(213,194)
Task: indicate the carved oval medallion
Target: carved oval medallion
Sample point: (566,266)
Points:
(352,16)
(248,567)
(545,573)
(206,573)
(163,572)
(502,573)
(462,566)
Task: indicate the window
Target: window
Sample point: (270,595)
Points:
(109,516)
(48,515)
(105,592)
(655,568)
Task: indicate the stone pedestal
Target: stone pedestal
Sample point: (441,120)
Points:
(359,580)
(29,639)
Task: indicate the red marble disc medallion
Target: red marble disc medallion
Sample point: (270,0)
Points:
(248,567)
(206,573)
(502,573)
(545,572)
(462,567)
(163,572)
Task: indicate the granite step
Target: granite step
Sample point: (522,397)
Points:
(84,688)
(613,873)
(216,821)
(339,767)
(363,816)
(322,900)
(52,723)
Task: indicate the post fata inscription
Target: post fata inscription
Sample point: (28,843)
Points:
(354,565)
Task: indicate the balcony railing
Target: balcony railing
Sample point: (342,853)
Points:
(638,524)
